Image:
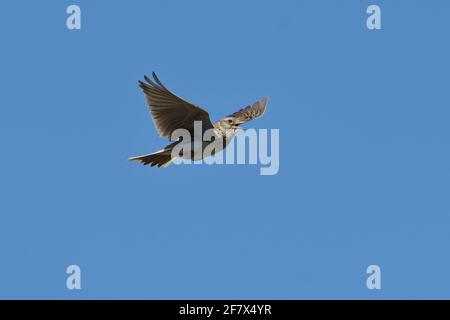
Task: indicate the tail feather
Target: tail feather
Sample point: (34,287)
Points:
(161,158)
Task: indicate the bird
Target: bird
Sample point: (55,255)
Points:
(171,112)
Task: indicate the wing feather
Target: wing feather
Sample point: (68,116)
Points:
(170,112)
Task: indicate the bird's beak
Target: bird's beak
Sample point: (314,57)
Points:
(237,124)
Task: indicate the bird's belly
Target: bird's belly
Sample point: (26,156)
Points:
(197,150)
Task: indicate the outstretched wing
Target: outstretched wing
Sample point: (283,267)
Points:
(170,112)
(251,112)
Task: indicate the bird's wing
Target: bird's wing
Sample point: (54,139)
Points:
(251,112)
(170,112)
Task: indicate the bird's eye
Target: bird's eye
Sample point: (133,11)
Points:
(230,121)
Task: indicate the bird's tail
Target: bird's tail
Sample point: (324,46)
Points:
(162,158)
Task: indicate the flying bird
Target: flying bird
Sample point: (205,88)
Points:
(170,112)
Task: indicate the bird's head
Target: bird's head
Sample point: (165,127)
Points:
(230,124)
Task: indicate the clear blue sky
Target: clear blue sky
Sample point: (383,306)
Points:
(364,156)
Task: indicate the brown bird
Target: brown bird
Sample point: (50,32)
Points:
(170,112)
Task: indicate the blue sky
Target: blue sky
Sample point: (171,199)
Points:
(364,150)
